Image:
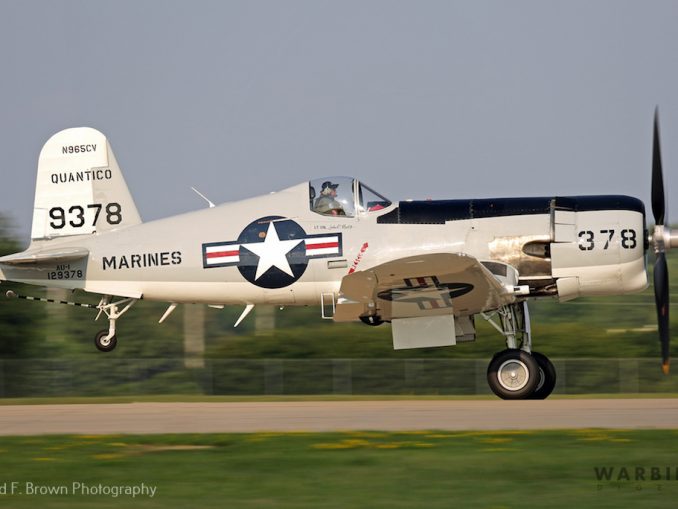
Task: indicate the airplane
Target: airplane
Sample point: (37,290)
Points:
(427,267)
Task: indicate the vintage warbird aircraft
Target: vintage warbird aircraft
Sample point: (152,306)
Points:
(428,267)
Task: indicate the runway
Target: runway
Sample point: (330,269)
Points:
(319,416)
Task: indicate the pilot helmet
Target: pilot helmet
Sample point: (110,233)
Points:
(328,187)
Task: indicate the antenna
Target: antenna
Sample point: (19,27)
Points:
(203,197)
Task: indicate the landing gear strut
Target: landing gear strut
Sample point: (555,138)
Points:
(518,372)
(105,340)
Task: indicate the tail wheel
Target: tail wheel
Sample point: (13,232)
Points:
(104,344)
(371,320)
(513,374)
(547,377)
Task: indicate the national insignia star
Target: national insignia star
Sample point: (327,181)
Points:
(272,252)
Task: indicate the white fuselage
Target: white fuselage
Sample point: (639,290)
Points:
(563,248)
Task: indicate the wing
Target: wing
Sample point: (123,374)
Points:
(418,286)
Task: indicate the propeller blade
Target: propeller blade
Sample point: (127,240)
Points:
(661,298)
(658,200)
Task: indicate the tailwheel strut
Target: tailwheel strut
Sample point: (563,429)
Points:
(105,340)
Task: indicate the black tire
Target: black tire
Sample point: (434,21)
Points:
(547,376)
(104,345)
(513,374)
(372,320)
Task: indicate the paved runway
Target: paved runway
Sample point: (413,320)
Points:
(147,418)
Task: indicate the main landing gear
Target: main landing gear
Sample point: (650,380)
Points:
(518,372)
(105,339)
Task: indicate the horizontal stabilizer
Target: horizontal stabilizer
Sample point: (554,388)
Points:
(46,256)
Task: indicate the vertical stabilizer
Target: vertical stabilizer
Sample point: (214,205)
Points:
(80,189)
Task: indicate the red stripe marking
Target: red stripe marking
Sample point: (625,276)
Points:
(219,254)
(322,246)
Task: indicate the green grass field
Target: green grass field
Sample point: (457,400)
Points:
(518,469)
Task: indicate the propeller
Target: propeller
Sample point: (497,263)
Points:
(661,240)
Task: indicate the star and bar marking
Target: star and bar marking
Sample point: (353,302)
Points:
(281,257)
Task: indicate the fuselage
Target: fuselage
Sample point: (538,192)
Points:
(560,246)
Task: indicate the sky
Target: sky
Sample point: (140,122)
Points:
(419,99)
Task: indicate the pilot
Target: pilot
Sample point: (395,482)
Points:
(327,202)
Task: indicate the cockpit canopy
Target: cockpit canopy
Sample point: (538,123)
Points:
(343,196)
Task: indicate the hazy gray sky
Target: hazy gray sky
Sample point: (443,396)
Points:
(420,99)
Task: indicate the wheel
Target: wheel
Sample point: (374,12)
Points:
(372,320)
(513,374)
(105,345)
(547,376)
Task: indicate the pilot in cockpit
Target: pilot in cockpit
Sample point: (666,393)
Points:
(327,202)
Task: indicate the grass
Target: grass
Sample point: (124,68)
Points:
(517,469)
(198,398)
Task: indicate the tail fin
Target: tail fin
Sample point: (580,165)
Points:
(80,188)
